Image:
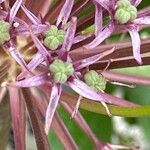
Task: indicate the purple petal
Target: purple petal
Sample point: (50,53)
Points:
(136,43)
(1,1)
(40,47)
(65,12)
(31,16)
(14,10)
(142,20)
(39,28)
(98,18)
(91,60)
(17,56)
(69,37)
(84,90)
(54,99)
(36,60)
(18,117)
(80,38)
(101,36)
(104,3)
(136,2)
(32,81)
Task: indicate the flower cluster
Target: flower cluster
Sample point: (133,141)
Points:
(56,47)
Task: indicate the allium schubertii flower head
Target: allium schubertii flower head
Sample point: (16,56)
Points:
(45,47)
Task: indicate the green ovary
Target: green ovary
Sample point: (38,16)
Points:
(4,32)
(125,11)
(61,70)
(95,81)
(54,38)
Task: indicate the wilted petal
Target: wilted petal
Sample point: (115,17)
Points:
(136,43)
(54,99)
(31,16)
(18,117)
(101,36)
(14,10)
(65,12)
(69,37)
(32,81)
(98,18)
(142,20)
(91,60)
(84,90)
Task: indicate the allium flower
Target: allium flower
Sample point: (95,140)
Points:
(44,53)
(124,16)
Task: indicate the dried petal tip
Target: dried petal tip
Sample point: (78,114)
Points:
(54,37)
(4,31)
(125,12)
(61,70)
(95,81)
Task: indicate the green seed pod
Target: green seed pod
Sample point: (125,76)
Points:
(4,31)
(61,70)
(133,12)
(123,3)
(60,78)
(95,81)
(54,37)
(57,66)
(122,16)
(68,69)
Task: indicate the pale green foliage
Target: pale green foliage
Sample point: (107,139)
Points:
(61,70)
(54,37)
(95,81)
(125,11)
(4,31)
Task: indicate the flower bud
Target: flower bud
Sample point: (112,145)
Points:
(54,37)
(61,70)
(4,31)
(123,3)
(95,81)
(60,78)
(122,16)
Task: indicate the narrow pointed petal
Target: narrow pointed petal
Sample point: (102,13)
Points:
(39,28)
(63,134)
(32,81)
(98,18)
(36,61)
(104,3)
(84,90)
(40,47)
(80,38)
(101,36)
(31,16)
(18,118)
(91,60)
(14,10)
(136,43)
(136,2)
(69,37)
(17,56)
(54,99)
(65,12)
(145,20)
